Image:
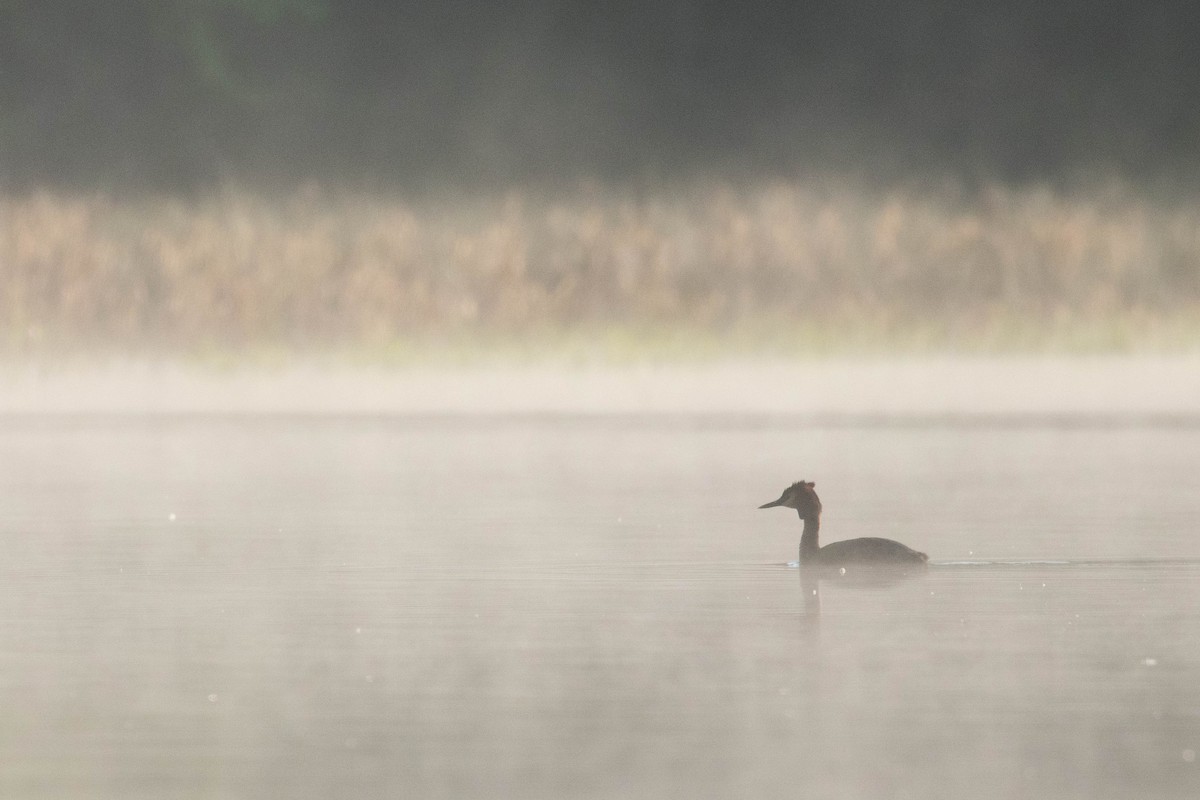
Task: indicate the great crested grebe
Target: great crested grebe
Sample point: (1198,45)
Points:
(866,551)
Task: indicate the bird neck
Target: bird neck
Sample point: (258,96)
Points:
(808,539)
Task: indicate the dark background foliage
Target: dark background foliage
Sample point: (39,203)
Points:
(185,93)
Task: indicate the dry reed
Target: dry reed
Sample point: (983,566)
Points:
(786,266)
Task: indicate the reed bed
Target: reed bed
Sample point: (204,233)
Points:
(784,267)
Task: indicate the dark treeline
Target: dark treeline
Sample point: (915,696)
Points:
(183,93)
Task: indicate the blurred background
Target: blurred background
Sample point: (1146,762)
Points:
(399,181)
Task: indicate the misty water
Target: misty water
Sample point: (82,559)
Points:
(312,606)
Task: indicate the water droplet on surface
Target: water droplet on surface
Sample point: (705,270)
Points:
(1189,755)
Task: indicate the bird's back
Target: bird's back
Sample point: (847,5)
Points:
(869,550)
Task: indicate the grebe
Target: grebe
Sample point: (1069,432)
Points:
(866,551)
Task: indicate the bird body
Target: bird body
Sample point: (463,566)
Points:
(869,550)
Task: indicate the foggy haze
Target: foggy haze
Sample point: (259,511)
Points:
(388,390)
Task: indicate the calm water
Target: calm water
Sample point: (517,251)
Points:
(587,607)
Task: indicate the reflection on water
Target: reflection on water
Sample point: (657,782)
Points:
(322,607)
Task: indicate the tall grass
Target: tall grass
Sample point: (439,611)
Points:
(777,266)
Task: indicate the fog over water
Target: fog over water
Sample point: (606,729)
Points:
(593,606)
(1114,388)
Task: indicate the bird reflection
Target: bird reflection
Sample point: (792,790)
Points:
(810,590)
(871,576)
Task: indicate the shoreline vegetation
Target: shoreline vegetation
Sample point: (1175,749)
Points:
(683,272)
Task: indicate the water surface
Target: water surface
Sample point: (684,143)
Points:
(526,607)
